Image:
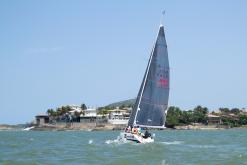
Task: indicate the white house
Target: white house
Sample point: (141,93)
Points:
(90,112)
(89,115)
(118,116)
(75,108)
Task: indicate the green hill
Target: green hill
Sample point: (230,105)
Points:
(125,103)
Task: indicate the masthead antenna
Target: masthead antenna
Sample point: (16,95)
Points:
(162,17)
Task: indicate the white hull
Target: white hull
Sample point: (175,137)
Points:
(135,138)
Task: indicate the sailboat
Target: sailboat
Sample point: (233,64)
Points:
(151,104)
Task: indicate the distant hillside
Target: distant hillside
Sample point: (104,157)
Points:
(125,103)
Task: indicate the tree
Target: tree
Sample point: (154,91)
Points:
(83,106)
(59,111)
(186,117)
(77,116)
(214,113)
(200,114)
(65,109)
(242,119)
(122,106)
(172,118)
(103,112)
(51,112)
(231,122)
(235,111)
(224,110)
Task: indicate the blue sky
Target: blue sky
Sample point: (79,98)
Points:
(56,53)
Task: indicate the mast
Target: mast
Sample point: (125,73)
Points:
(162,17)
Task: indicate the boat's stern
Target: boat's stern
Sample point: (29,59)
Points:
(135,138)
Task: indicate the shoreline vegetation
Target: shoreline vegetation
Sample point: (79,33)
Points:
(199,118)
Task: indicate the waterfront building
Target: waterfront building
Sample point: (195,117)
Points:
(90,112)
(214,119)
(42,119)
(119,116)
(89,115)
(75,108)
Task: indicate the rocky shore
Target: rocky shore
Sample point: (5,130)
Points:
(77,126)
(201,127)
(108,127)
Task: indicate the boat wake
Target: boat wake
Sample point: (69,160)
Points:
(202,146)
(117,141)
(173,143)
(28,128)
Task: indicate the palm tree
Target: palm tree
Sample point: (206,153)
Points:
(51,112)
(83,106)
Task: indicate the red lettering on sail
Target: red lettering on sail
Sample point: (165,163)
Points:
(162,82)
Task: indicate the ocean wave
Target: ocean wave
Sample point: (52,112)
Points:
(173,142)
(90,141)
(202,146)
(116,141)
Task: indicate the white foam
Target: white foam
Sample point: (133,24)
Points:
(116,141)
(28,128)
(113,141)
(108,141)
(202,146)
(173,143)
(207,146)
(90,141)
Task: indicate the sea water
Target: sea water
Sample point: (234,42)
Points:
(171,147)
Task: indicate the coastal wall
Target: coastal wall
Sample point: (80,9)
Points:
(78,126)
(201,127)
